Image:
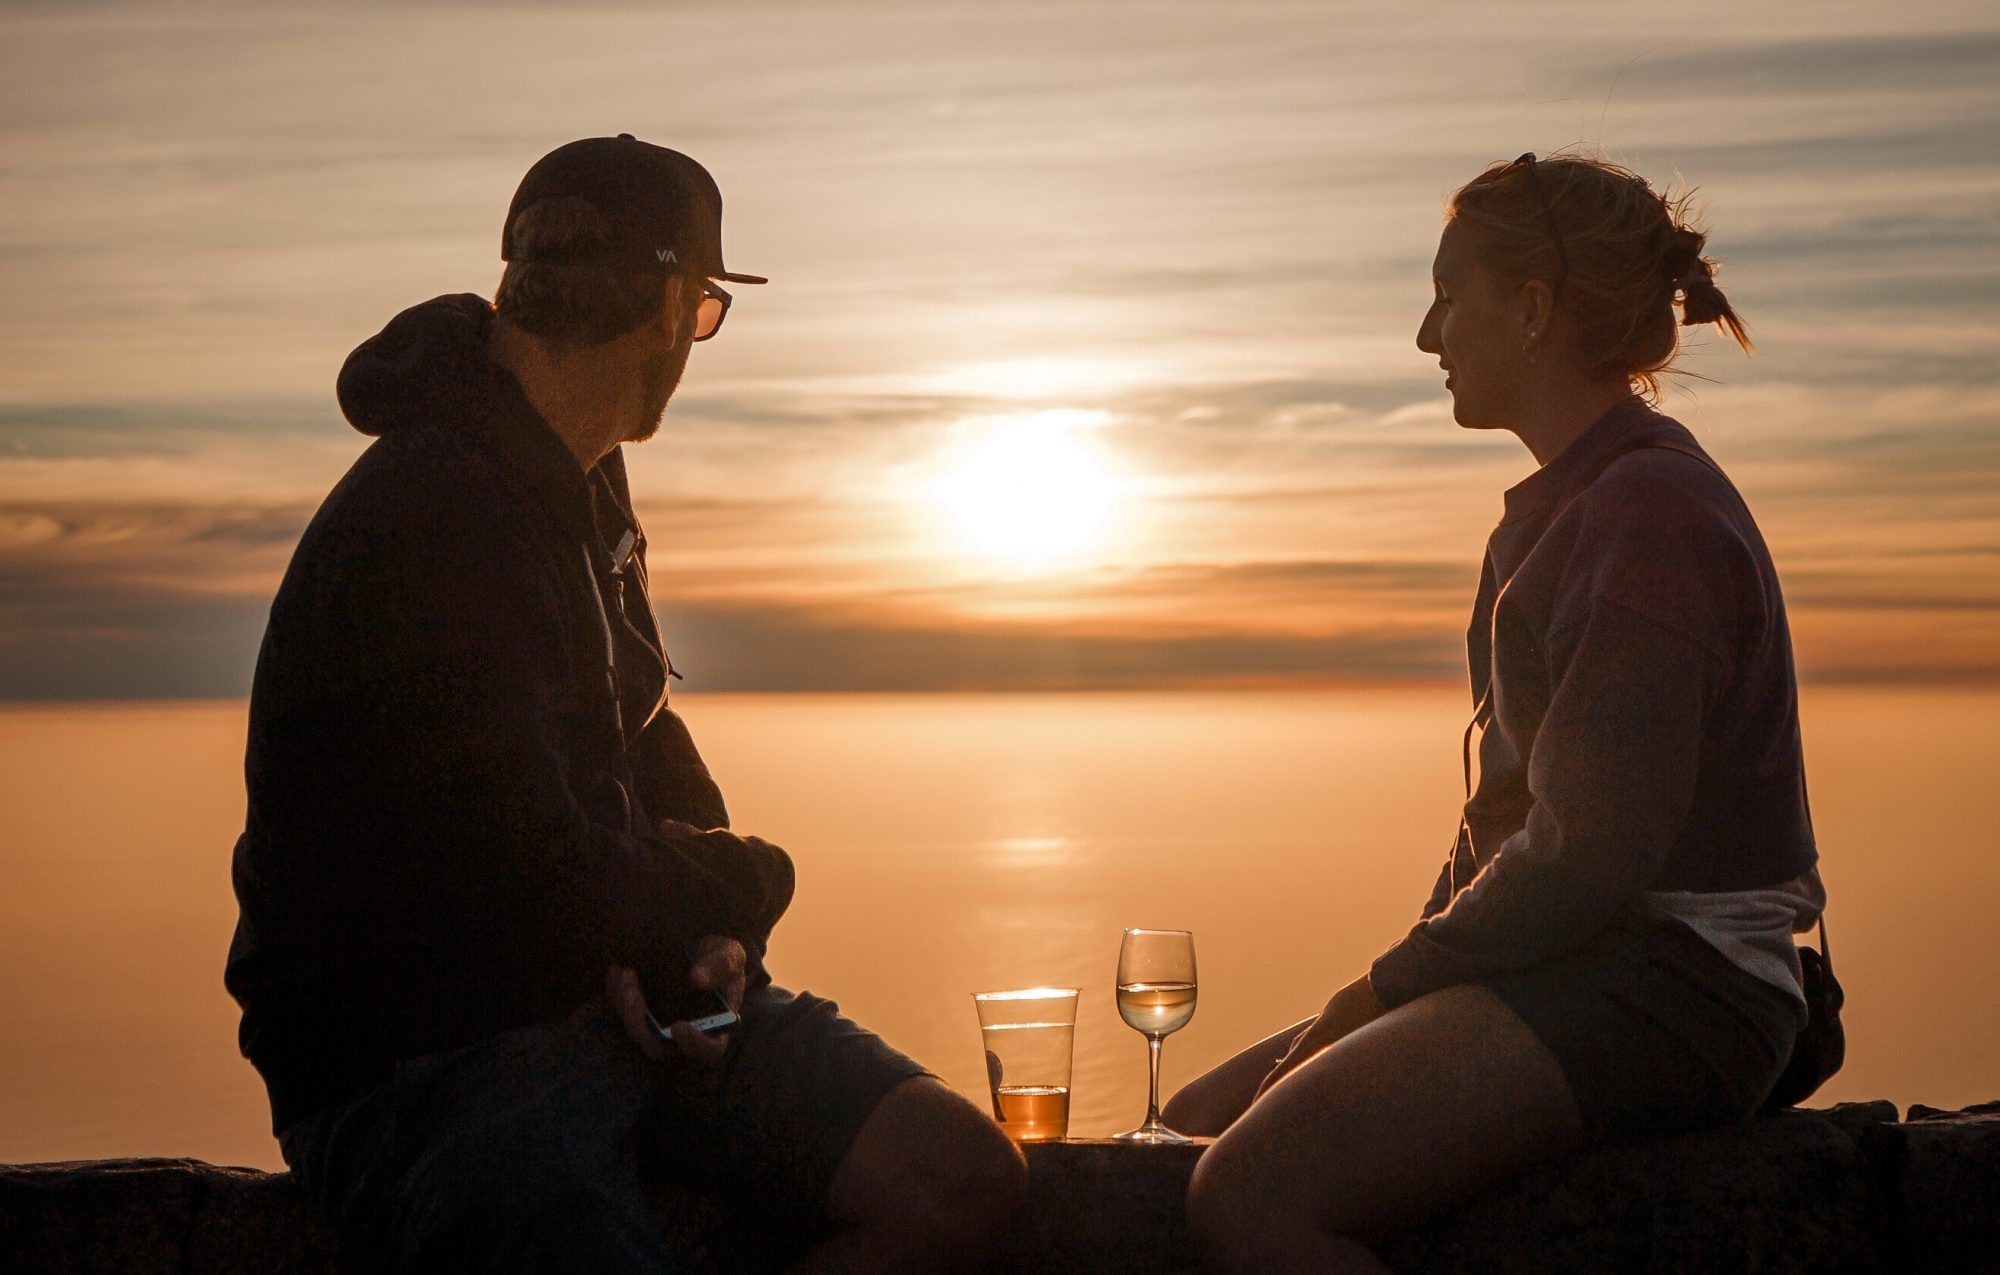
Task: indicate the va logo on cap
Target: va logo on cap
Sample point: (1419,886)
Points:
(666,255)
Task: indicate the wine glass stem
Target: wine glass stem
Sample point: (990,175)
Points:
(1153,1085)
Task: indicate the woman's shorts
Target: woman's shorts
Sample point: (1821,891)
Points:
(1656,1031)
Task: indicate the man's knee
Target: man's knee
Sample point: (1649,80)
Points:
(931,1167)
(991,1181)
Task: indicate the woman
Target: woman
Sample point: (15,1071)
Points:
(1608,951)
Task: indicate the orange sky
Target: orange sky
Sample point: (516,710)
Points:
(1184,246)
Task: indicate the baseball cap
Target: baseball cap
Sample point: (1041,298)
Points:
(663,209)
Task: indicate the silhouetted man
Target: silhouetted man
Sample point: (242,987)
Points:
(479,844)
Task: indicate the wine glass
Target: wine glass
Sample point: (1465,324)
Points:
(1156,997)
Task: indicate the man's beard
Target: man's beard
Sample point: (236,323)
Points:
(661,380)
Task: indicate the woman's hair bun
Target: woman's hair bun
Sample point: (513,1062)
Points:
(1693,276)
(1683,255)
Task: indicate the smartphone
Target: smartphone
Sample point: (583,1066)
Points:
(705,1011)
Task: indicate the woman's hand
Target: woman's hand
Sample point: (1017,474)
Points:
(1352,1007)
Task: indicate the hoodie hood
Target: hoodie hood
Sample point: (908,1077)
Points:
(429,364)
(430,367)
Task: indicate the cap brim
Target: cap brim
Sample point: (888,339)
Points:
(740,278)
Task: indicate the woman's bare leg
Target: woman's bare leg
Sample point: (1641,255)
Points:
(1212,1101)
(1418,1110)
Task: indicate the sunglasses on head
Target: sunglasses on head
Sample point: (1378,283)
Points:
(1527,164)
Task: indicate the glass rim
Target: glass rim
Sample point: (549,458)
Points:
(1140,929)
(1029,994)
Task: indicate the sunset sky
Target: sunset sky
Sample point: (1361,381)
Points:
(1087,357)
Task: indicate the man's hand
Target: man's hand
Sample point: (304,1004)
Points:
(1352,1007)
(720,965)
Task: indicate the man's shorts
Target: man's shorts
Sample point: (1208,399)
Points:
(1656,1031)
(543,1149)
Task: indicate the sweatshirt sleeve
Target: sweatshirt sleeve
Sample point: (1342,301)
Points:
(1611,777)
(458,739)
(674,783)
(1459,860)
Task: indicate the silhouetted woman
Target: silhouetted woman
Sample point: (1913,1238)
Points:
(1608,951)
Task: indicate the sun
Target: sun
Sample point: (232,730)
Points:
(1032,489)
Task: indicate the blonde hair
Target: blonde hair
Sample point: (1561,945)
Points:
(1616,253)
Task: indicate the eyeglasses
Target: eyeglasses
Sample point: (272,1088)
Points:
(714,308)
(1527,164)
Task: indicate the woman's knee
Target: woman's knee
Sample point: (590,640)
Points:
(1216,1206)
(1241,1213)
(1199,1108)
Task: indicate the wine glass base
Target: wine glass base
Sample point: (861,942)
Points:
(1157,1135)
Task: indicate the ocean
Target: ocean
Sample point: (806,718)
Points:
(948,844)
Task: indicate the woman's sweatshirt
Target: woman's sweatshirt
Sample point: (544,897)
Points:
(1639,733)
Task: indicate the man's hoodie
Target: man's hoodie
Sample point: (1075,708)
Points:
(460,756)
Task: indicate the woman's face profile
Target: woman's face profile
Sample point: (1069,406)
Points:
(1470,327)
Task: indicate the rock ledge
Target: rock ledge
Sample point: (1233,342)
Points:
(1848,1188)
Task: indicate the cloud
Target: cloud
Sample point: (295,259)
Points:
(1212,227)
(136,602)
(90,430)
(129,643)
(1920,63)
(786,649)
(125,601)
(1282,524)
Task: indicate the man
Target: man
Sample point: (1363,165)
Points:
(479,845)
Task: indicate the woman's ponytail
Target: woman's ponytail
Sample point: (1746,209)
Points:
(1693,276)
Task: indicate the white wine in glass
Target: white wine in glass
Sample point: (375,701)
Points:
(1156,988)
